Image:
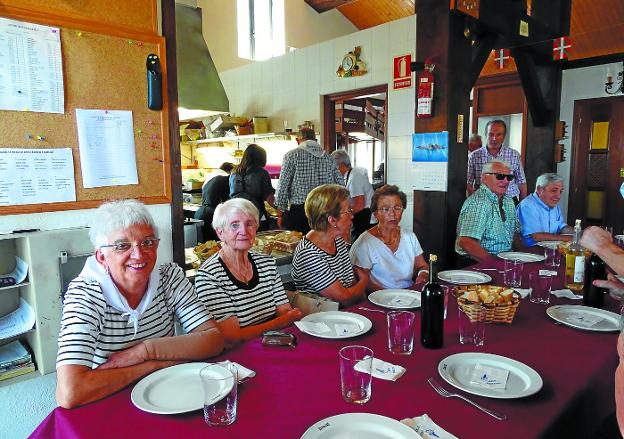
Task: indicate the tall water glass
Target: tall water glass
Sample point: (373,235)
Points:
(356,367)
(513,273)
(472,324)
(220,386)
(400,332)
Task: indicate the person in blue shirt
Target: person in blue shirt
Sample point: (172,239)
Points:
(540,215)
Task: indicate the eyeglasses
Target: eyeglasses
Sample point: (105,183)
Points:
(499,176)
(396,209)
(236,226)
(122,247)
(348,211)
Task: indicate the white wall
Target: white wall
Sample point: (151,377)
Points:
(304,27)
(581,83)
(291,87)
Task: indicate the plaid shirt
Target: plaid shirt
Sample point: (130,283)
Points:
(302,171)
(478,158)
(480,219)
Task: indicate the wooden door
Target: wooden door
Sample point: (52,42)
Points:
(597,163)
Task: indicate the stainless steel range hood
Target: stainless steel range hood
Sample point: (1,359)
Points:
(199,85)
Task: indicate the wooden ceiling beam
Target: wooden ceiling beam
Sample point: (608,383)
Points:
(326,5)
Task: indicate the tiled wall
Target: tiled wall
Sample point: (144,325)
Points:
(290,88)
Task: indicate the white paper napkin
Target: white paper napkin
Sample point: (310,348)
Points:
(489,377)
(383,370)
(318,327)
(243,372)
(428,429)
(568,294)
(524,292)
(346,329)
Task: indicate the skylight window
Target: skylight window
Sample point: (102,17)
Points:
(261,33)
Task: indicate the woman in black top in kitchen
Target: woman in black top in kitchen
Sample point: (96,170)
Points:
(214,192)
(251,181)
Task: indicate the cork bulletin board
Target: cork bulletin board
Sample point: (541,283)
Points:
(104,68)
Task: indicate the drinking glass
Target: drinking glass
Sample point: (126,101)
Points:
(513,273)
(220,393)
(400,332)
(553,256)
(446,290)
(356,366)
(540,284)
(472,324)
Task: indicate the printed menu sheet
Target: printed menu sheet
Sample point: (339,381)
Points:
(35,176)
(106,142)
(31,67)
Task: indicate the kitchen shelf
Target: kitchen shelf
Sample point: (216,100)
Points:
(11,287)
(252,137)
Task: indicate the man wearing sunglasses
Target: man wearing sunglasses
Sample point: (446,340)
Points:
(487,223)
(496,130)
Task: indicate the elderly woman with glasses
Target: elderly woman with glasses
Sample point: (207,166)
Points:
(392,256)
(321,262)
(119,313)
(243,290)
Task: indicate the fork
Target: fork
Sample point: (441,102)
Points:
(363,308)
(445,393)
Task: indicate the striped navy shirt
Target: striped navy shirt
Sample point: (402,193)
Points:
(313,269)
(225,296)
(92,330)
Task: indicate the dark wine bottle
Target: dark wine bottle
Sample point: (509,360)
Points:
(432,311)
(596,269)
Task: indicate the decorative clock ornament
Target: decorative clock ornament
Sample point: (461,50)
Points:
(351,64)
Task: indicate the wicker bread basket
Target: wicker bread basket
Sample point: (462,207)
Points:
(494,312)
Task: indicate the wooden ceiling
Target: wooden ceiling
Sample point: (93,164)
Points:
(596,26)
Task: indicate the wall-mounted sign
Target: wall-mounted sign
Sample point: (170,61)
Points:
(351,64)
(402,73)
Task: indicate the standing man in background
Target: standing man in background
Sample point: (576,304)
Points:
(496,131)
(303,169)
(360,191)
(474,142)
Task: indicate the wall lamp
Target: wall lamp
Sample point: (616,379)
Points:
(611,87)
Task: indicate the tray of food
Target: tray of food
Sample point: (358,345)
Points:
(207,249)
(500,303)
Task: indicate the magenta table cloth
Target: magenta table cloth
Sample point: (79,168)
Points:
(294,388)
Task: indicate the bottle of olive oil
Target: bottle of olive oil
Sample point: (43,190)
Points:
(575,262)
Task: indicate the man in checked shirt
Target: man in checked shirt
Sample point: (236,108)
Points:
(303,169)
(496,131)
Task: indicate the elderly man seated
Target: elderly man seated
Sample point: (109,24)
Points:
(487,222)
(540,214)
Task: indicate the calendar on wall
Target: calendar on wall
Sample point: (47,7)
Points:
(430,161)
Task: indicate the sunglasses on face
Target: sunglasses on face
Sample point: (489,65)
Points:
(499,176)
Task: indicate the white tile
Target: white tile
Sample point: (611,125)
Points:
(401,101)
(400,124)
(381,77)
(400,147)
(407,220)
(397,170)
(399,31)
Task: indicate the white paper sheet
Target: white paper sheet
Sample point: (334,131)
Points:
(107,153)
(19,273)
(35,176)
(17,322)
(31,67)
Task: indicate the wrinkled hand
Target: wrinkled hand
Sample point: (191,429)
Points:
(612,283)
(361,273)
(594,238)
(129,357)
(422,278)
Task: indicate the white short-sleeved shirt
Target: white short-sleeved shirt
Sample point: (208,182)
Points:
(358,184)
(391,270)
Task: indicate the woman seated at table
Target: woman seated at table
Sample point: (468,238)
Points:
(118,314)
(391,256)
(243,290)
(321,262)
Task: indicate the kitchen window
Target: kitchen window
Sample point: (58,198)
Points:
(261,33)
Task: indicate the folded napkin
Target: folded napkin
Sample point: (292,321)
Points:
(243,372)
(317,327)
(428,429)
(568,294)
(383,370)
(524,292)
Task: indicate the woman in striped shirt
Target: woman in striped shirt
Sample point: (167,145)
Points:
(242,290)
(119,313)
(321,263)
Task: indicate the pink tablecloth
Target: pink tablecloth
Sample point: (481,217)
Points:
(294,388)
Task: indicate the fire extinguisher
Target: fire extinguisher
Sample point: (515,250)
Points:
(425,91)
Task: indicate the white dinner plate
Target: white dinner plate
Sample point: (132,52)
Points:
(360,426)
(178,389)
(331,318)
(521,256)
(522,381)
(463,277)
(550,244)
(396,298)
(584,317)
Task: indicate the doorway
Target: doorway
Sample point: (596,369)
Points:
(597,168)
(356,121)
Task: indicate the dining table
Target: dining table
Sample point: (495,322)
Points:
(296,387)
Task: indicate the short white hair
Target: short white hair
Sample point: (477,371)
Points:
(487,168)
(546,179)
(118,215)
(228,209)
(342,157)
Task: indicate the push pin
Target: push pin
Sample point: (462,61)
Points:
(40,138)
(140,44)
(139,131)
(130,42)
(28,136)
(159,160)
(154,137)
(79,34)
